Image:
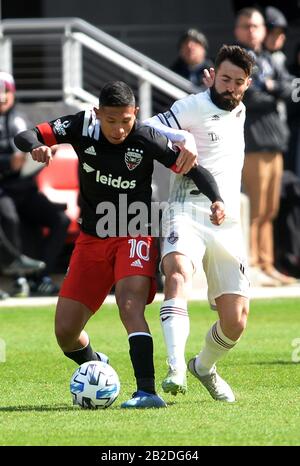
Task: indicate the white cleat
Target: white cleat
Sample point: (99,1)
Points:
(214,384)
(175,381)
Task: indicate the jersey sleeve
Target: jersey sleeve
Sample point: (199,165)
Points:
(205,183)
(27,140)
(65,129)
(179,118)
(181,115)
(62,130)
(160,148)
(176,122)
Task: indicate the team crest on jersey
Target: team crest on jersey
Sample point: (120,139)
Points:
(60,128)
(173,238)
(167,115)
(133,158)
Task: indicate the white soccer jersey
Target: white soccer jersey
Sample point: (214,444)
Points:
(219,137)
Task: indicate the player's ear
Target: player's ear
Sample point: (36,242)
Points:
(249,81)
(136,110)
(96,110)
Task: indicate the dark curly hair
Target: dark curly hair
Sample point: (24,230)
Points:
(236,55)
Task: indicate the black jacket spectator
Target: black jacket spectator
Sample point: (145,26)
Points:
(192,60)
(265,130)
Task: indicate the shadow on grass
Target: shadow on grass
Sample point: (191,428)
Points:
(275,363)
(279,362)
(44,408)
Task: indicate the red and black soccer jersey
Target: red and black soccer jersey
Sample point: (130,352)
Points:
(107,170)
(118,174)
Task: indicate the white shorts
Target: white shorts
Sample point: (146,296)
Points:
(187,230)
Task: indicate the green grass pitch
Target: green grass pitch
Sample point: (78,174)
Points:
(36,408)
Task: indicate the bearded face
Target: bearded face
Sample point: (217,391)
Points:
(225,100)
(230,85)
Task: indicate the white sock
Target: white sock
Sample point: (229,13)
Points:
(175,324)
(216,346)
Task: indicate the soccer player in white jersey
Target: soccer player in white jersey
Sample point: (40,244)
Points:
(215,118)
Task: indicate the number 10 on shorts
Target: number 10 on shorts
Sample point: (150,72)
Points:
(139,248)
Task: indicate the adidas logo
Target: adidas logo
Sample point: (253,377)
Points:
(87,168)
(137,263)
(90,150)
(215,117)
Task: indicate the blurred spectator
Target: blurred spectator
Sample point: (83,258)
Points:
(276,25)
(15,264)
(286,225)
(12,262)
(295,66)
(293,155)
(3,295)
(266,137)
(20,200)
(192,60)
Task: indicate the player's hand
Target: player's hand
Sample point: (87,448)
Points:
(187,158)
(217,213)
(209,77)
(43,154)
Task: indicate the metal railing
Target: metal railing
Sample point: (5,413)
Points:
(69,59)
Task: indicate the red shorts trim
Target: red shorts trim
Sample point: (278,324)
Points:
(97,264)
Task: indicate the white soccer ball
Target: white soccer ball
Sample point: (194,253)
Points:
(94,384)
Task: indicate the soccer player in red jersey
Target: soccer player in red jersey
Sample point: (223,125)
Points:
(116,155)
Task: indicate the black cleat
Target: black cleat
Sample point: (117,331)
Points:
(44,287)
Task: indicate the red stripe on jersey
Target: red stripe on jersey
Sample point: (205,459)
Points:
(47,134)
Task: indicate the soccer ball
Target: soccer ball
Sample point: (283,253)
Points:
(94,384)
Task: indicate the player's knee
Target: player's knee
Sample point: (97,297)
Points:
(131,304)
(132,316)
(235,325)
(125,305)
(177,267)
(178,276)
(233,329)
(177,283)
(239,324)
(239,327)
(64,336)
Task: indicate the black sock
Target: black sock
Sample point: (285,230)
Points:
(82,355)
(141,354)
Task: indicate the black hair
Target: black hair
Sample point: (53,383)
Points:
(236,55)
(116,94)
